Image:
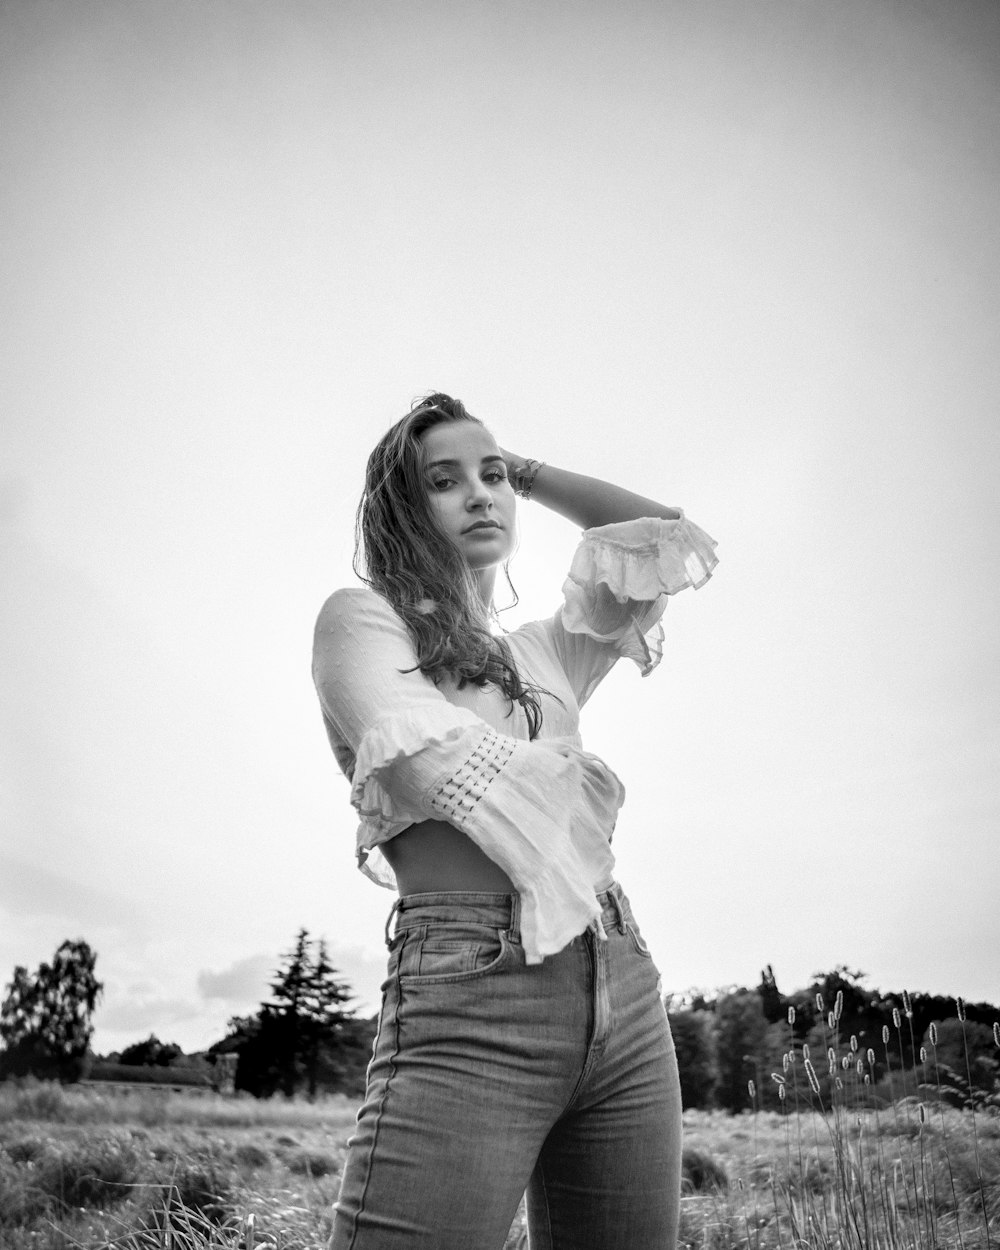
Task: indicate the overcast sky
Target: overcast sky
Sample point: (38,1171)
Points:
(738,255)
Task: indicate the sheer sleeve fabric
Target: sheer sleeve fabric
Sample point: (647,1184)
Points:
(543,810)
(619,582)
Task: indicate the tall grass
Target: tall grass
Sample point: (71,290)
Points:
(860,1172)
(848,1162)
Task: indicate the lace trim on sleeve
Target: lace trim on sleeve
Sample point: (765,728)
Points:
(457,796)
(544,810)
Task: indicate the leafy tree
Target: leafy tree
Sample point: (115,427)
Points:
(151,1053)
(740,1032)
(957,1046)
(45,1018)
(697,1058)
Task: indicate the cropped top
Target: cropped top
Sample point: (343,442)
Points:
(544,810)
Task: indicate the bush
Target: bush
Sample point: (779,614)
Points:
(38,1100)
(195,1187)
(250,1156)
(89,1173)
(700,1171)
(311,1163)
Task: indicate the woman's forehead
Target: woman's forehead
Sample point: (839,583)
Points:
(465,441)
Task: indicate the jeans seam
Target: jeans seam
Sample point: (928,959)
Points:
(547,1210)
(380,1109)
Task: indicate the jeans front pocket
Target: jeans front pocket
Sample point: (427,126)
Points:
(451,951)
(638,941)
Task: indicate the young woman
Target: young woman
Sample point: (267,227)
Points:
(522,1042)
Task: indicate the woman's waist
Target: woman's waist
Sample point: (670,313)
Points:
(433,856)
(490,909)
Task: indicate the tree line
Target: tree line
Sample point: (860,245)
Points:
(306,1038)
(735,1046)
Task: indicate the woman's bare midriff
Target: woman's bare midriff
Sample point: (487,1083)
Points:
(434,856)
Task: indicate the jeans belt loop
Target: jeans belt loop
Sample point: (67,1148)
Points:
(389,920)
(514,931)
(620,912)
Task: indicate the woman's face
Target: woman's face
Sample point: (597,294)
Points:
(468,491)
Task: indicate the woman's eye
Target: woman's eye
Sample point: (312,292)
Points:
(441,483)
(495,475)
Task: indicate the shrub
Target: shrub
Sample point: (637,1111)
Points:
(700,1171)
(89,1173)
(196,1187)
(311,1163)
(249,1155)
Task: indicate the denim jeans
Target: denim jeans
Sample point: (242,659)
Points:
(490,1078)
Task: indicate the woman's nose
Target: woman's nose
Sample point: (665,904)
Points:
(478,496)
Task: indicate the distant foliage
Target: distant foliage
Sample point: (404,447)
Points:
(729,1038)
(152,1052)
(697,1057)
(45,1019)
(151,1074)
(740,1029)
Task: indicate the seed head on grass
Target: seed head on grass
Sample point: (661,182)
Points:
(933,1033)
(791,1015)
(838,1006)
(811,1074)
(907,1005)
(996,1032)
(960,1005)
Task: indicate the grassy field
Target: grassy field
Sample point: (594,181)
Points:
(134,1171)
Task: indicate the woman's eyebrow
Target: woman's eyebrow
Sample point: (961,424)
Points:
(456,464)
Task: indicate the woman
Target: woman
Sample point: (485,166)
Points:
(522,1043)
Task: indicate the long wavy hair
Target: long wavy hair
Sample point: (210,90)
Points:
(401,554)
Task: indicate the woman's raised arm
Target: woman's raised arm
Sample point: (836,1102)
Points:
(586,501)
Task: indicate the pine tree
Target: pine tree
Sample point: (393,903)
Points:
(301,1025)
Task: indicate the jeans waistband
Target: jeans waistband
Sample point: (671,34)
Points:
(500,911)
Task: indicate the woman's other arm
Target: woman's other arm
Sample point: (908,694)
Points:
(587,501)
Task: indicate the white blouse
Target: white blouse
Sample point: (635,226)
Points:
(544,810)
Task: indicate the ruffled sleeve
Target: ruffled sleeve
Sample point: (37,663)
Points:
(617,589)
(543,810)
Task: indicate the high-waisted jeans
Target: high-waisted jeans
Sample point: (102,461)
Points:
(490,1078)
